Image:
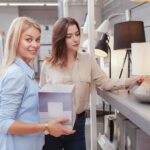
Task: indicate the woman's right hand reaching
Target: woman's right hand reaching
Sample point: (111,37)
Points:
(56,128)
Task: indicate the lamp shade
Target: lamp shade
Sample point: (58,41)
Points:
(104,27)
(140,58)
(102,47)
(128,32)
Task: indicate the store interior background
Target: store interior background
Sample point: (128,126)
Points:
(47,15)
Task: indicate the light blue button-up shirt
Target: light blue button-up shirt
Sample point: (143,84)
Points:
(19,102)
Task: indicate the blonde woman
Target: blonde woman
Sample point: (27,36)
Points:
(67,65)
(19,119)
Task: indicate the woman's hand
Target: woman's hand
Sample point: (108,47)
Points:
(56,128)
(134,80)
(140,80)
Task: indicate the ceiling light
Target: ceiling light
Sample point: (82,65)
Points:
(29,4)
(3,4)
(51,4)
(26,4)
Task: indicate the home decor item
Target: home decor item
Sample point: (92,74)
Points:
(105,25)
(102,49)
(140,66)
(56,101)
(126,33)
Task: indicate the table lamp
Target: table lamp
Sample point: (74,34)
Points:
(126,33)
(141,66)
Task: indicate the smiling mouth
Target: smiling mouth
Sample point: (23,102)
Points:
(76,45)
(33,52)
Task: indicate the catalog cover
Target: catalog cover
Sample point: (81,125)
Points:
(55,101)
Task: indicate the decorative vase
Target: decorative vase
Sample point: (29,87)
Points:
(142,93)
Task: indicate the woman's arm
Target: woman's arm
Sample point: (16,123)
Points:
(104,82)
(11,94)
(43,74)
(54,128)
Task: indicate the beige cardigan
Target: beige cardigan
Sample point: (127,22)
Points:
(84,72)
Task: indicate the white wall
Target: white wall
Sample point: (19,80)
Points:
(44,15)
(7,14)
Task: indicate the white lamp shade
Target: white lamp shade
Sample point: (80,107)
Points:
(85,44)
(104,27)
(140,58)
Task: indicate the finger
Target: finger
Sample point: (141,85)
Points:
(62,120)
(68,131)
(140,81)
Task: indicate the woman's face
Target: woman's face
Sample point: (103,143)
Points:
(72,38)
(29,44)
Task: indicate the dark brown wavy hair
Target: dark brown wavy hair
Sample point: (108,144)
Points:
(58,56)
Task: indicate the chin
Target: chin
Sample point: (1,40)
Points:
(75,49)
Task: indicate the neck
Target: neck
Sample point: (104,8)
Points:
(72,55)
(71,59)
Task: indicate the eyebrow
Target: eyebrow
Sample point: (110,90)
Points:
(72,33)
(32,36)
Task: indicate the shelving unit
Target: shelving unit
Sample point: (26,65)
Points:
(134,127)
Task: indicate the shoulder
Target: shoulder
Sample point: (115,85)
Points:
(84,55)
(85,58)
(45,65)
(13,72)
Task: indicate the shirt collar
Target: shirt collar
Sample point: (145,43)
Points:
(25,67)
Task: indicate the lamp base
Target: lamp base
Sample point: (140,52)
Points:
(142,93)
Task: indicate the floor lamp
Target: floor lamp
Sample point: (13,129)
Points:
(102,49)
(126,33)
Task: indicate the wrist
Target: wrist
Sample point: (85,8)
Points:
(46,129)
(42,127)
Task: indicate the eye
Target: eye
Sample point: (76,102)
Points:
(29,40)
(68,36)
(78,34)
(38,40)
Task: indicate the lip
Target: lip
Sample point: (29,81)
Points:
(75,45)
(33,52)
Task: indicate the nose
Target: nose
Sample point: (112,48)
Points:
(35,44)
(75,38)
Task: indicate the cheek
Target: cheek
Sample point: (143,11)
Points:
(68,43)
(24,45)
(38,46)
(79,38)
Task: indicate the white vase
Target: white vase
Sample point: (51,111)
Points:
(142,93)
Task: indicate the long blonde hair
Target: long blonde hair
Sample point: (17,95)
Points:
(18,25)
